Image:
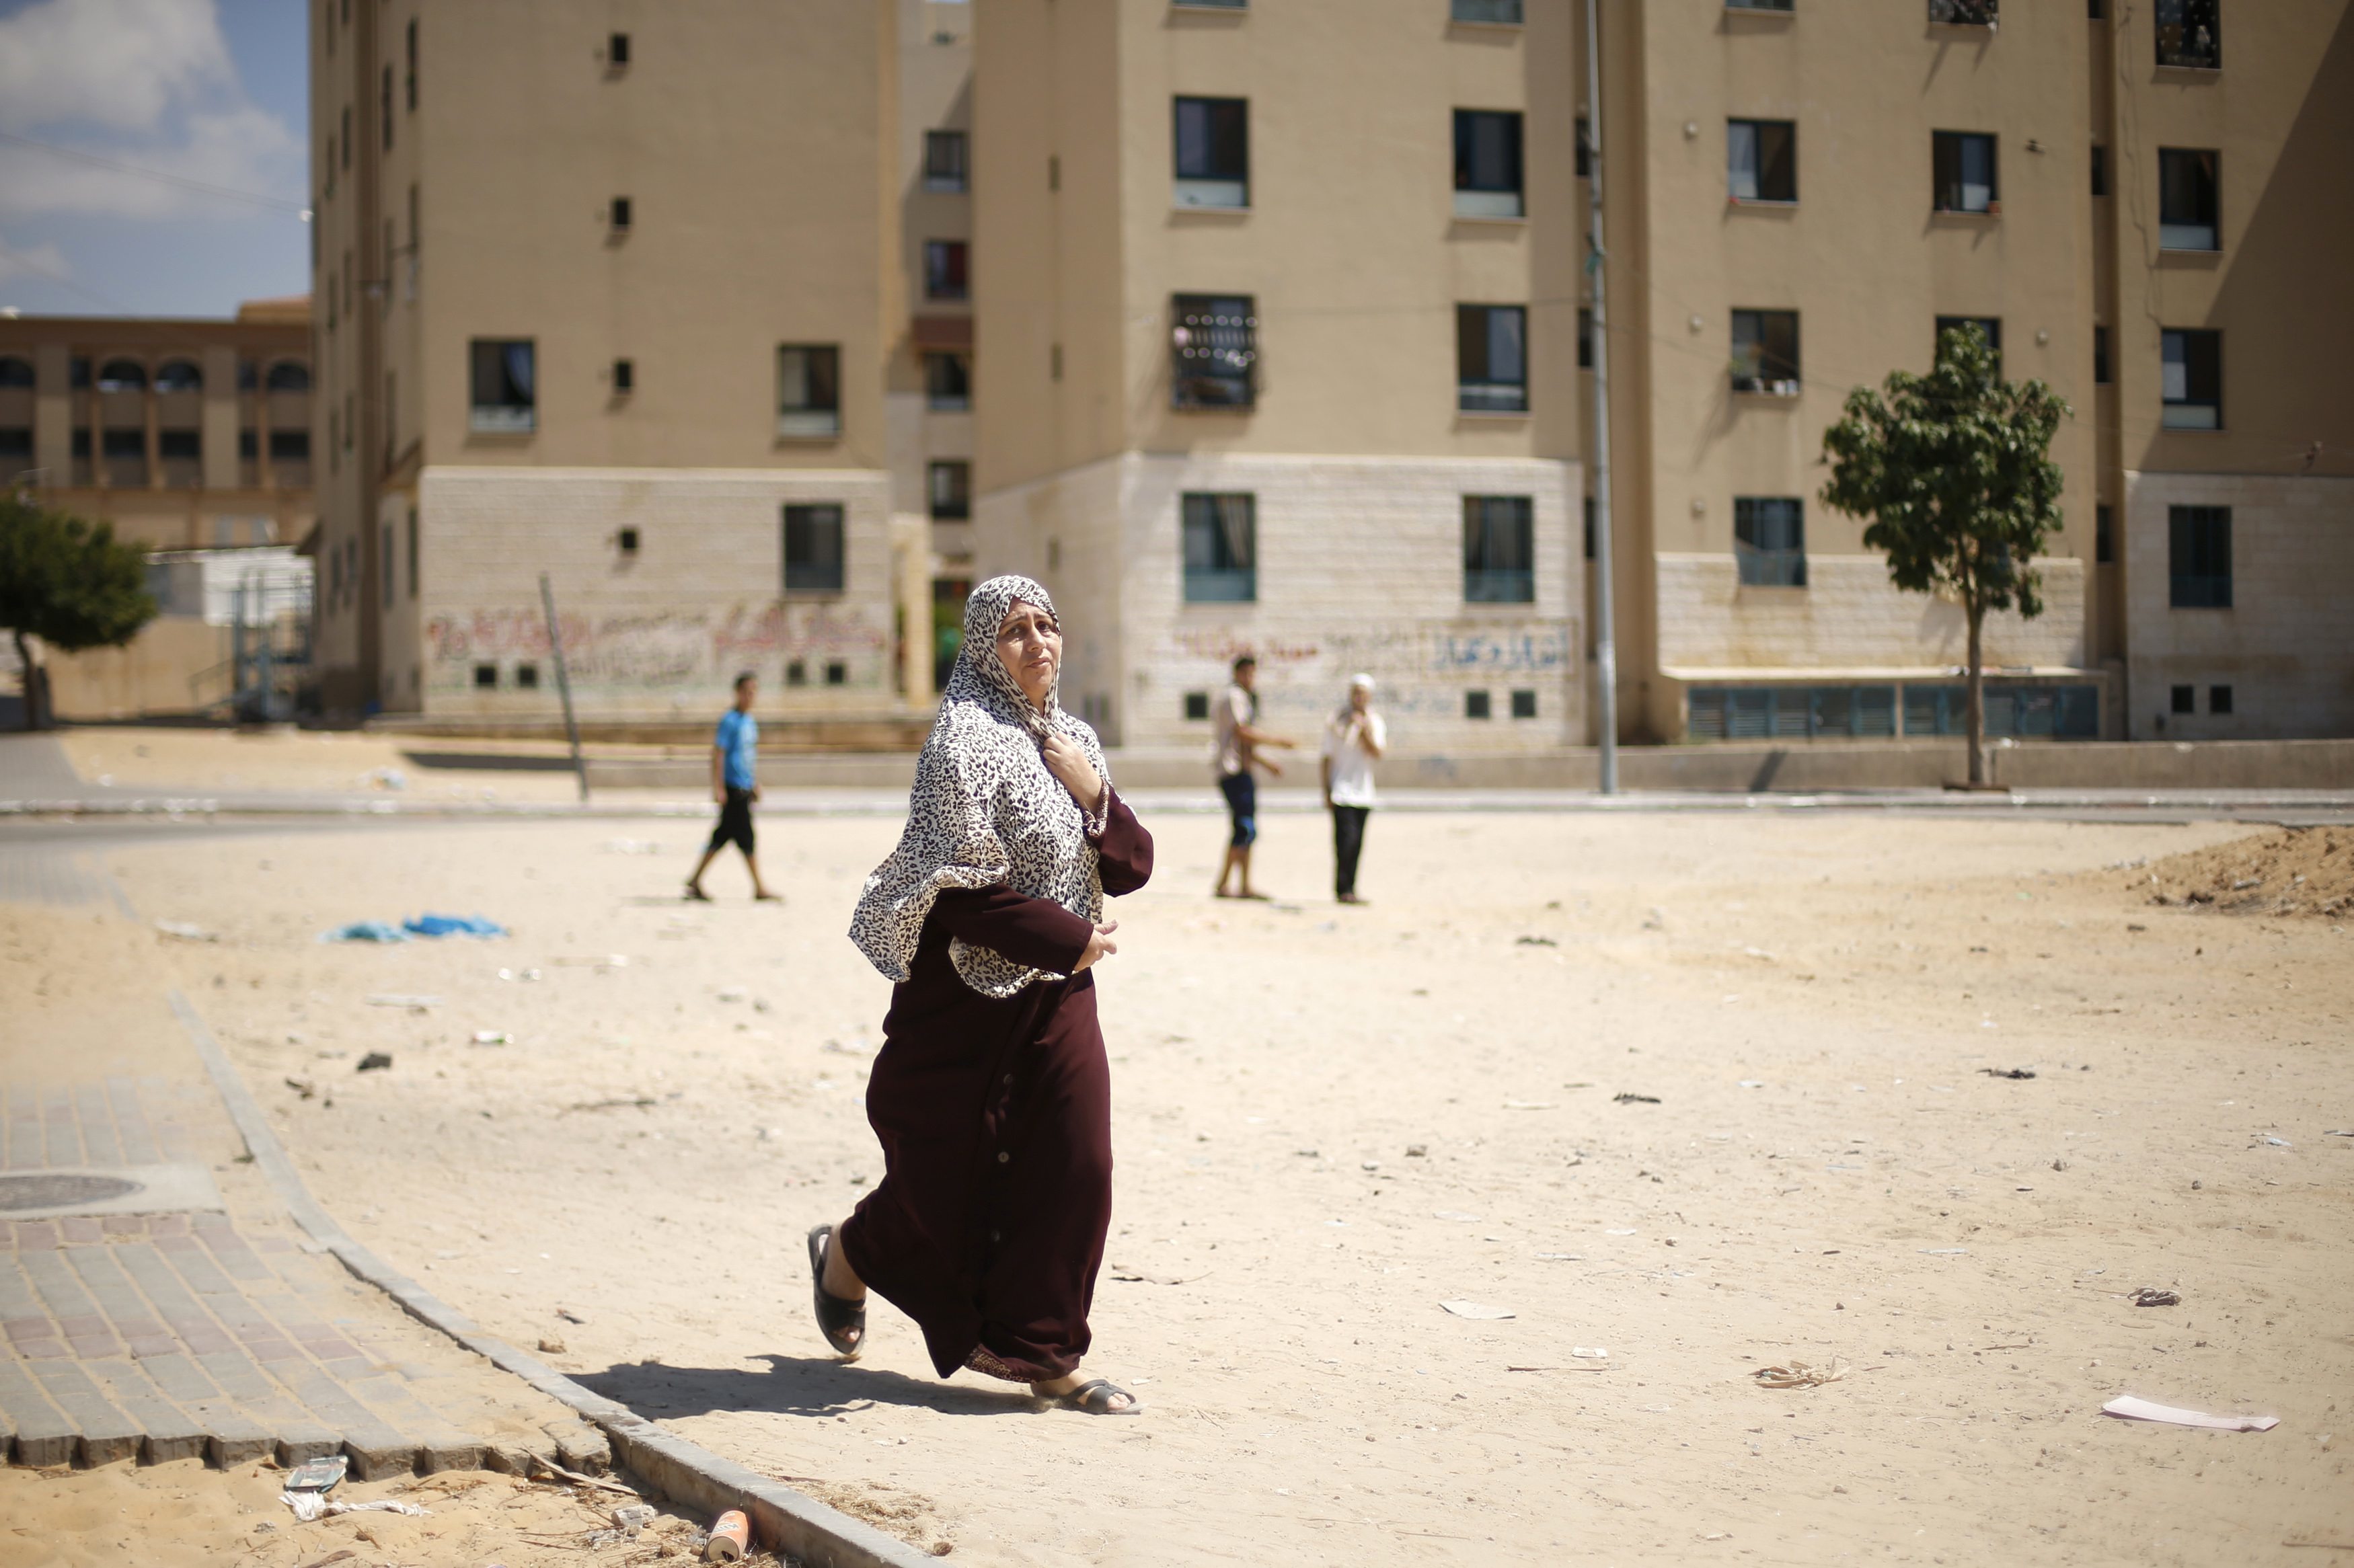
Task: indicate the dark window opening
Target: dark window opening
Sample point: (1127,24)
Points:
(2199,558)
(2183,699)
(2190,374)
(1524,704)
(2218,699)
(1589,527)
(944,161)
(796,673)
(290,446)
(290,375)
(1770,540)
(1765,352)
(1761,160)
(952,490)
(1500,13)
(2101,377)
(2188,35)
(1491,359)
(409,80)
(837,673)
(1475,705)
(944,268)
(1215,339)
(186,446)
(1498,549)
(2100,170)
(384,108)
(620,213)
(1487,163)
(1221,547)
(617,51)
(16,441)
(1585,338)
(486,676)
(1963,172)
(2104,542)
(628,541)
(1212,152)
(526,676)
(813,547)
(808,390)
(1963,13)
(505,376)
(1584,154)
(625,375)
(1197,705)
(248,445)
(2188,184)
(947,382)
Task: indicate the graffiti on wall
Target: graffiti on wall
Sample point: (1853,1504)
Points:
(648,650)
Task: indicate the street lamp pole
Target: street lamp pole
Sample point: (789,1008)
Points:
(1605,647)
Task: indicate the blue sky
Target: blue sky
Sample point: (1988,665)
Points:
(211,92)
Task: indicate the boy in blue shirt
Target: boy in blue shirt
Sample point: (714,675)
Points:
(733,788)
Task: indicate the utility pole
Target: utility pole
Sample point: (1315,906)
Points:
(1605,647)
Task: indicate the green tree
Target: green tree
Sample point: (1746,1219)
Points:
(69,583)
(1953,471)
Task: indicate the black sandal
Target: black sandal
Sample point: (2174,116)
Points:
(1096,1396)
(844,1323)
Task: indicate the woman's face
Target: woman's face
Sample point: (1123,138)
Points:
(1030,646)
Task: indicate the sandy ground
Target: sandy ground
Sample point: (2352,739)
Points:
(183,1516)
(1330,1121)
(323,761)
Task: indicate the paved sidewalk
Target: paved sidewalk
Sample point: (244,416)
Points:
(156,1300)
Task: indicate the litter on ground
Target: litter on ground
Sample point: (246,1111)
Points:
(365,931)
(452,926)
(2126,1408)
(1801,1375)
(1477,1309)
(2150,1296)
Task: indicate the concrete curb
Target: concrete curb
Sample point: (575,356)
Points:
(681,1471)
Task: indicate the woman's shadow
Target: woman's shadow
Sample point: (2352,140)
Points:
(793,1386)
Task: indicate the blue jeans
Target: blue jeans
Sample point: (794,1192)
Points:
(1241,791)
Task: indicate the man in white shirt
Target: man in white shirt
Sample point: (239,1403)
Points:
(1353,742)
(1239,738)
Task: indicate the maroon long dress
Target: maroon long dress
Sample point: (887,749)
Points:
(995,1118)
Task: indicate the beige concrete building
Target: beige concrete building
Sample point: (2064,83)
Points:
(610,293)
(1277,354)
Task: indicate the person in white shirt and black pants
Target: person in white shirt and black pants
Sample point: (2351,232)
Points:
(1353,740)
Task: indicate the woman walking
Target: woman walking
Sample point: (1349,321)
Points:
(991,1096)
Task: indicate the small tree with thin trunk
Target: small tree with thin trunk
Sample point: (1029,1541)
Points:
(1953,473)
(69,583)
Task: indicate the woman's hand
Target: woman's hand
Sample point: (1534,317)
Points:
(1100,946)
(1068,762)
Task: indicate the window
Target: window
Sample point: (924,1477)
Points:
(1989,325)
(1492,362)
(619,215)
(1585,338)
(2185,199)
(384,108)
(2100,170)
(813,547)
(384,578)
(351,419)
(944,161)
(1475,705)
(1197,705)
(2095,10)
(486,677)
(1761,160)
(1758,4)
(2218,699)
(1770,540)
(2187,35)
(2184,699)
(412,552)
(185,446)
(2101,377)
(409,81)
(1964,173)
(1755,713)
(1963,13)
(526,676)
(289,376)
(837,673)
(1584,155)
(2199,558)
(944,268)
(16,372)
(947,382)
(123,375)
(1524,704)
(625,378)
(2191,379)
(626,541)
(1503,13)
(1212,144)
(2105,540)
(808,390)
(290,446)
(951,488)
(1215,342)
(1486,164)
(796,672)
(1589,527)
(179,375)
(617,51)
(1765,352)
(1221,548)
(504,379)
(1498,549)
(16,441)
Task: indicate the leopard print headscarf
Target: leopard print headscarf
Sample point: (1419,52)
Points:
(984,810)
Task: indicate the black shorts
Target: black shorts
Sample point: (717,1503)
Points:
(1241,791)
(734,822)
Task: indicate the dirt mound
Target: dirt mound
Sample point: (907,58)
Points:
(2296,871)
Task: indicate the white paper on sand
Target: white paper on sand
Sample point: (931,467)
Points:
(1476,1309)
(1591,1352)
(310,1506)
(2129,1408)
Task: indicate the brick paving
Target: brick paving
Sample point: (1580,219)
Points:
(221,1335)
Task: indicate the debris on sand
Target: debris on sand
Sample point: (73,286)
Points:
(1632,1099)
(2008,1072)
(2126,1408)
(1801,1375)
(1478,1309)
(374,1062)
(2151,1295)
(2294,871)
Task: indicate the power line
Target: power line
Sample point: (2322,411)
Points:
(280,203)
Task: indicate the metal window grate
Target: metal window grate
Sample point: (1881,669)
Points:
(1213,348)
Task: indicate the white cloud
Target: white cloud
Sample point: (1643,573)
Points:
(45,262)
(146,83)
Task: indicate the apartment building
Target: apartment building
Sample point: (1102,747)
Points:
(185,434)
(1277,336)
(610,293)
(2222,137)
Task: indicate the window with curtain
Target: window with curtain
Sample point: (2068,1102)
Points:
(503,377)
(1964,172)
(1212,152)
(1491,359)
(813,547)
(2190,379)
(947,382)
(2188,190)
(944,268)
(1487,163)
(1498,549)
(1770,540)
(944,161)
(808,390)
(1765,352)
(2199,558)
(1761,160)
(1221,548)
